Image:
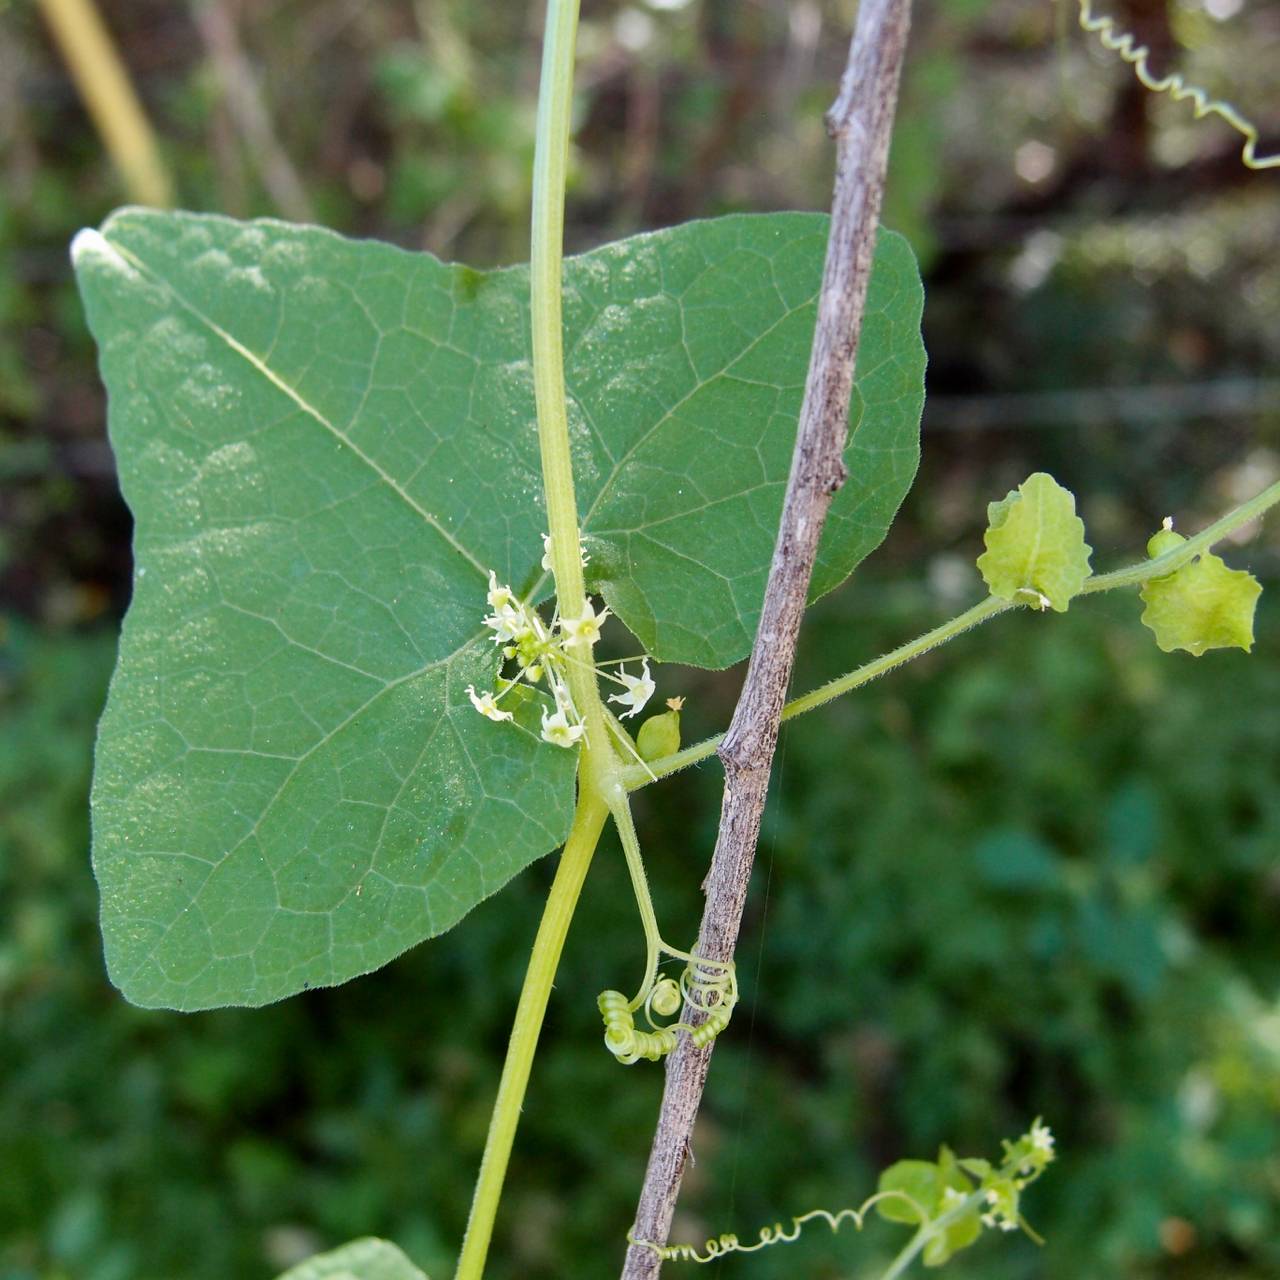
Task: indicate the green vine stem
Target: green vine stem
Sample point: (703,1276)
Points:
(546,261)
(599,788)
(635,777)
(561,902)
(926,1232)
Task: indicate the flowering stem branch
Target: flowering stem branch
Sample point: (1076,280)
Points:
(600,790)
(634,777)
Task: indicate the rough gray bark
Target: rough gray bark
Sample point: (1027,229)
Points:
(861,122)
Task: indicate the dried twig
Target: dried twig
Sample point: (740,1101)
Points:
(860,121)
(247,107)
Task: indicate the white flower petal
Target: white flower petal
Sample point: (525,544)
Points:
(486,706)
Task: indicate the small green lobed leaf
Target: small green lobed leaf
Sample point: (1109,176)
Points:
(963,1232)
(367,1259)
(920,1180)
(1036,553)
(1201,606)
(933,1188)
(326,445)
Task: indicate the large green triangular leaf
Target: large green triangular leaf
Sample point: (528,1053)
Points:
(360,1260)
(326,443)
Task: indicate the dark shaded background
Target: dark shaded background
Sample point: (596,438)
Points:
(1035,873)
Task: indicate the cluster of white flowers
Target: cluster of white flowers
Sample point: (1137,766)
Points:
(1042,1139)
(542,653)
(1002,1205)
(1025,1160)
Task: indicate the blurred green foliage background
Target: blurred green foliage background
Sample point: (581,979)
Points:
(1036,873)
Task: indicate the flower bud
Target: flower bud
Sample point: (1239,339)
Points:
(1164,540)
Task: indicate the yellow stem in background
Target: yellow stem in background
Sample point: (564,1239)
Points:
(103,83)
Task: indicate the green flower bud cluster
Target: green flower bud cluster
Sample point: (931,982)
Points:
(961,1196)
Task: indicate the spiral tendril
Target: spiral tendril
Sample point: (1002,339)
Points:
(776,1233)
(1138,57)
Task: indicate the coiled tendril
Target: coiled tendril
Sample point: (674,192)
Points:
(709,987)
(777,1233)
(1138,57)
(962,1196)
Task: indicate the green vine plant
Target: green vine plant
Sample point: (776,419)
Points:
(949,1201)
(357,688)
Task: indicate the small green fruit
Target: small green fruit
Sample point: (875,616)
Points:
(660,735)
(1164,540)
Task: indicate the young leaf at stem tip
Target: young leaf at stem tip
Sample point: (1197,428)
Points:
(1036,553)
(1203,605)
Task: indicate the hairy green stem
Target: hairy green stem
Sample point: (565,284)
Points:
(546,265)
(1135,575)
(911,1250)
(583,837)
(546,259)
(634,777)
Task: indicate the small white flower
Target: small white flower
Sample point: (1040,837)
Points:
(556,729)
(1042,1137)
(500,598)
(952,1197)
(584,630)
(638,690)
(486,706)
(509,622)
(1002,1201)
